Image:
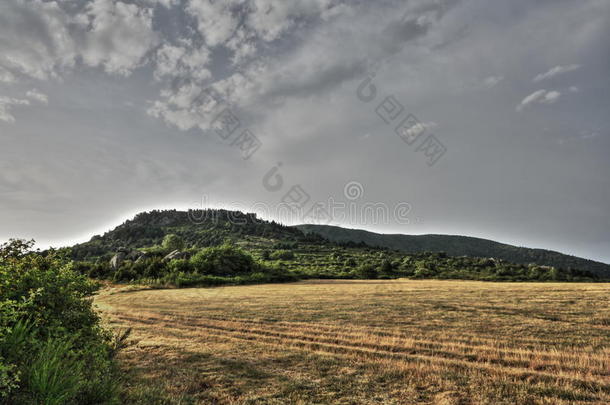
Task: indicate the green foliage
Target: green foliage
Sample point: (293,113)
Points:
(173,242)
(214,262)
(287,245)
(55,375)
(455,245)
(225,260)
(367,271)
(212,228)
(9,380)
(282,255)
(180,266)
(49,330)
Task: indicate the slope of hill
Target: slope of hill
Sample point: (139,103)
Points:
(198,228)
(211,247)
(455,245)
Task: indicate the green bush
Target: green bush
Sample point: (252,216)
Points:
(179,266)
(49,331)
(224,260)
(9,380)
(282,255)
(173,242)
(367,271)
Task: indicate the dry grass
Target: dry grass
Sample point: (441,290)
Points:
(367,342)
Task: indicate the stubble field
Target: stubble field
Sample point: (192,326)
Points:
(366,342)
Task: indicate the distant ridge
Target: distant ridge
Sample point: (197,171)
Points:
(455,245)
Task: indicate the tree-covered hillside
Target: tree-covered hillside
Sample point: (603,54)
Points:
(455,245)
(215,247)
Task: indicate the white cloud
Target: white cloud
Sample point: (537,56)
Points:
(187,107)
(36,40)
(539,96)
(216,20)
(42,40)
(551,97)
(239,25)
(6,76)
(119,37)
(5,108)
(38,96)
(271,18)
(555,71)
(182,61)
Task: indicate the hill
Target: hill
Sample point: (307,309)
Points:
(455,245)
(198,228)
(212,247)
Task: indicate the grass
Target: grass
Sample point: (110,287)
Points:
(366,342)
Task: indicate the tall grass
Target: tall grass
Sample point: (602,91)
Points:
(55,374)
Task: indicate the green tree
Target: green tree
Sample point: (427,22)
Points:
(173,242)
(224,260)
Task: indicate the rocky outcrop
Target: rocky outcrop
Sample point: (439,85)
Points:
(126,254)
(137,256)
(176,254)
(142,256)
(117,260)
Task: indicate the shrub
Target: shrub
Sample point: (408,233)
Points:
(224,260)
(285,245)
(49,330)
(173,242)
(282,255)
(9,380)
(367,271)
(179,265)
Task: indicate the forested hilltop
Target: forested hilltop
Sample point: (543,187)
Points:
(456,245)
(213,247)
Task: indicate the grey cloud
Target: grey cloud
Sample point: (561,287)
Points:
(399,32)
(319,79)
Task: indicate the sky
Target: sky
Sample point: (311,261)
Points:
(470,117)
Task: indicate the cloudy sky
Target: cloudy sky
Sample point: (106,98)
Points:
(470,117)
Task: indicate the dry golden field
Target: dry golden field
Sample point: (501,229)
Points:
(366,342)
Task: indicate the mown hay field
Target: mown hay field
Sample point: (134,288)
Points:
(366,342)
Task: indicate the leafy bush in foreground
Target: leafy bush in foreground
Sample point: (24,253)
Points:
(52,347)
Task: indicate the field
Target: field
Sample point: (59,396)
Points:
(366,342)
